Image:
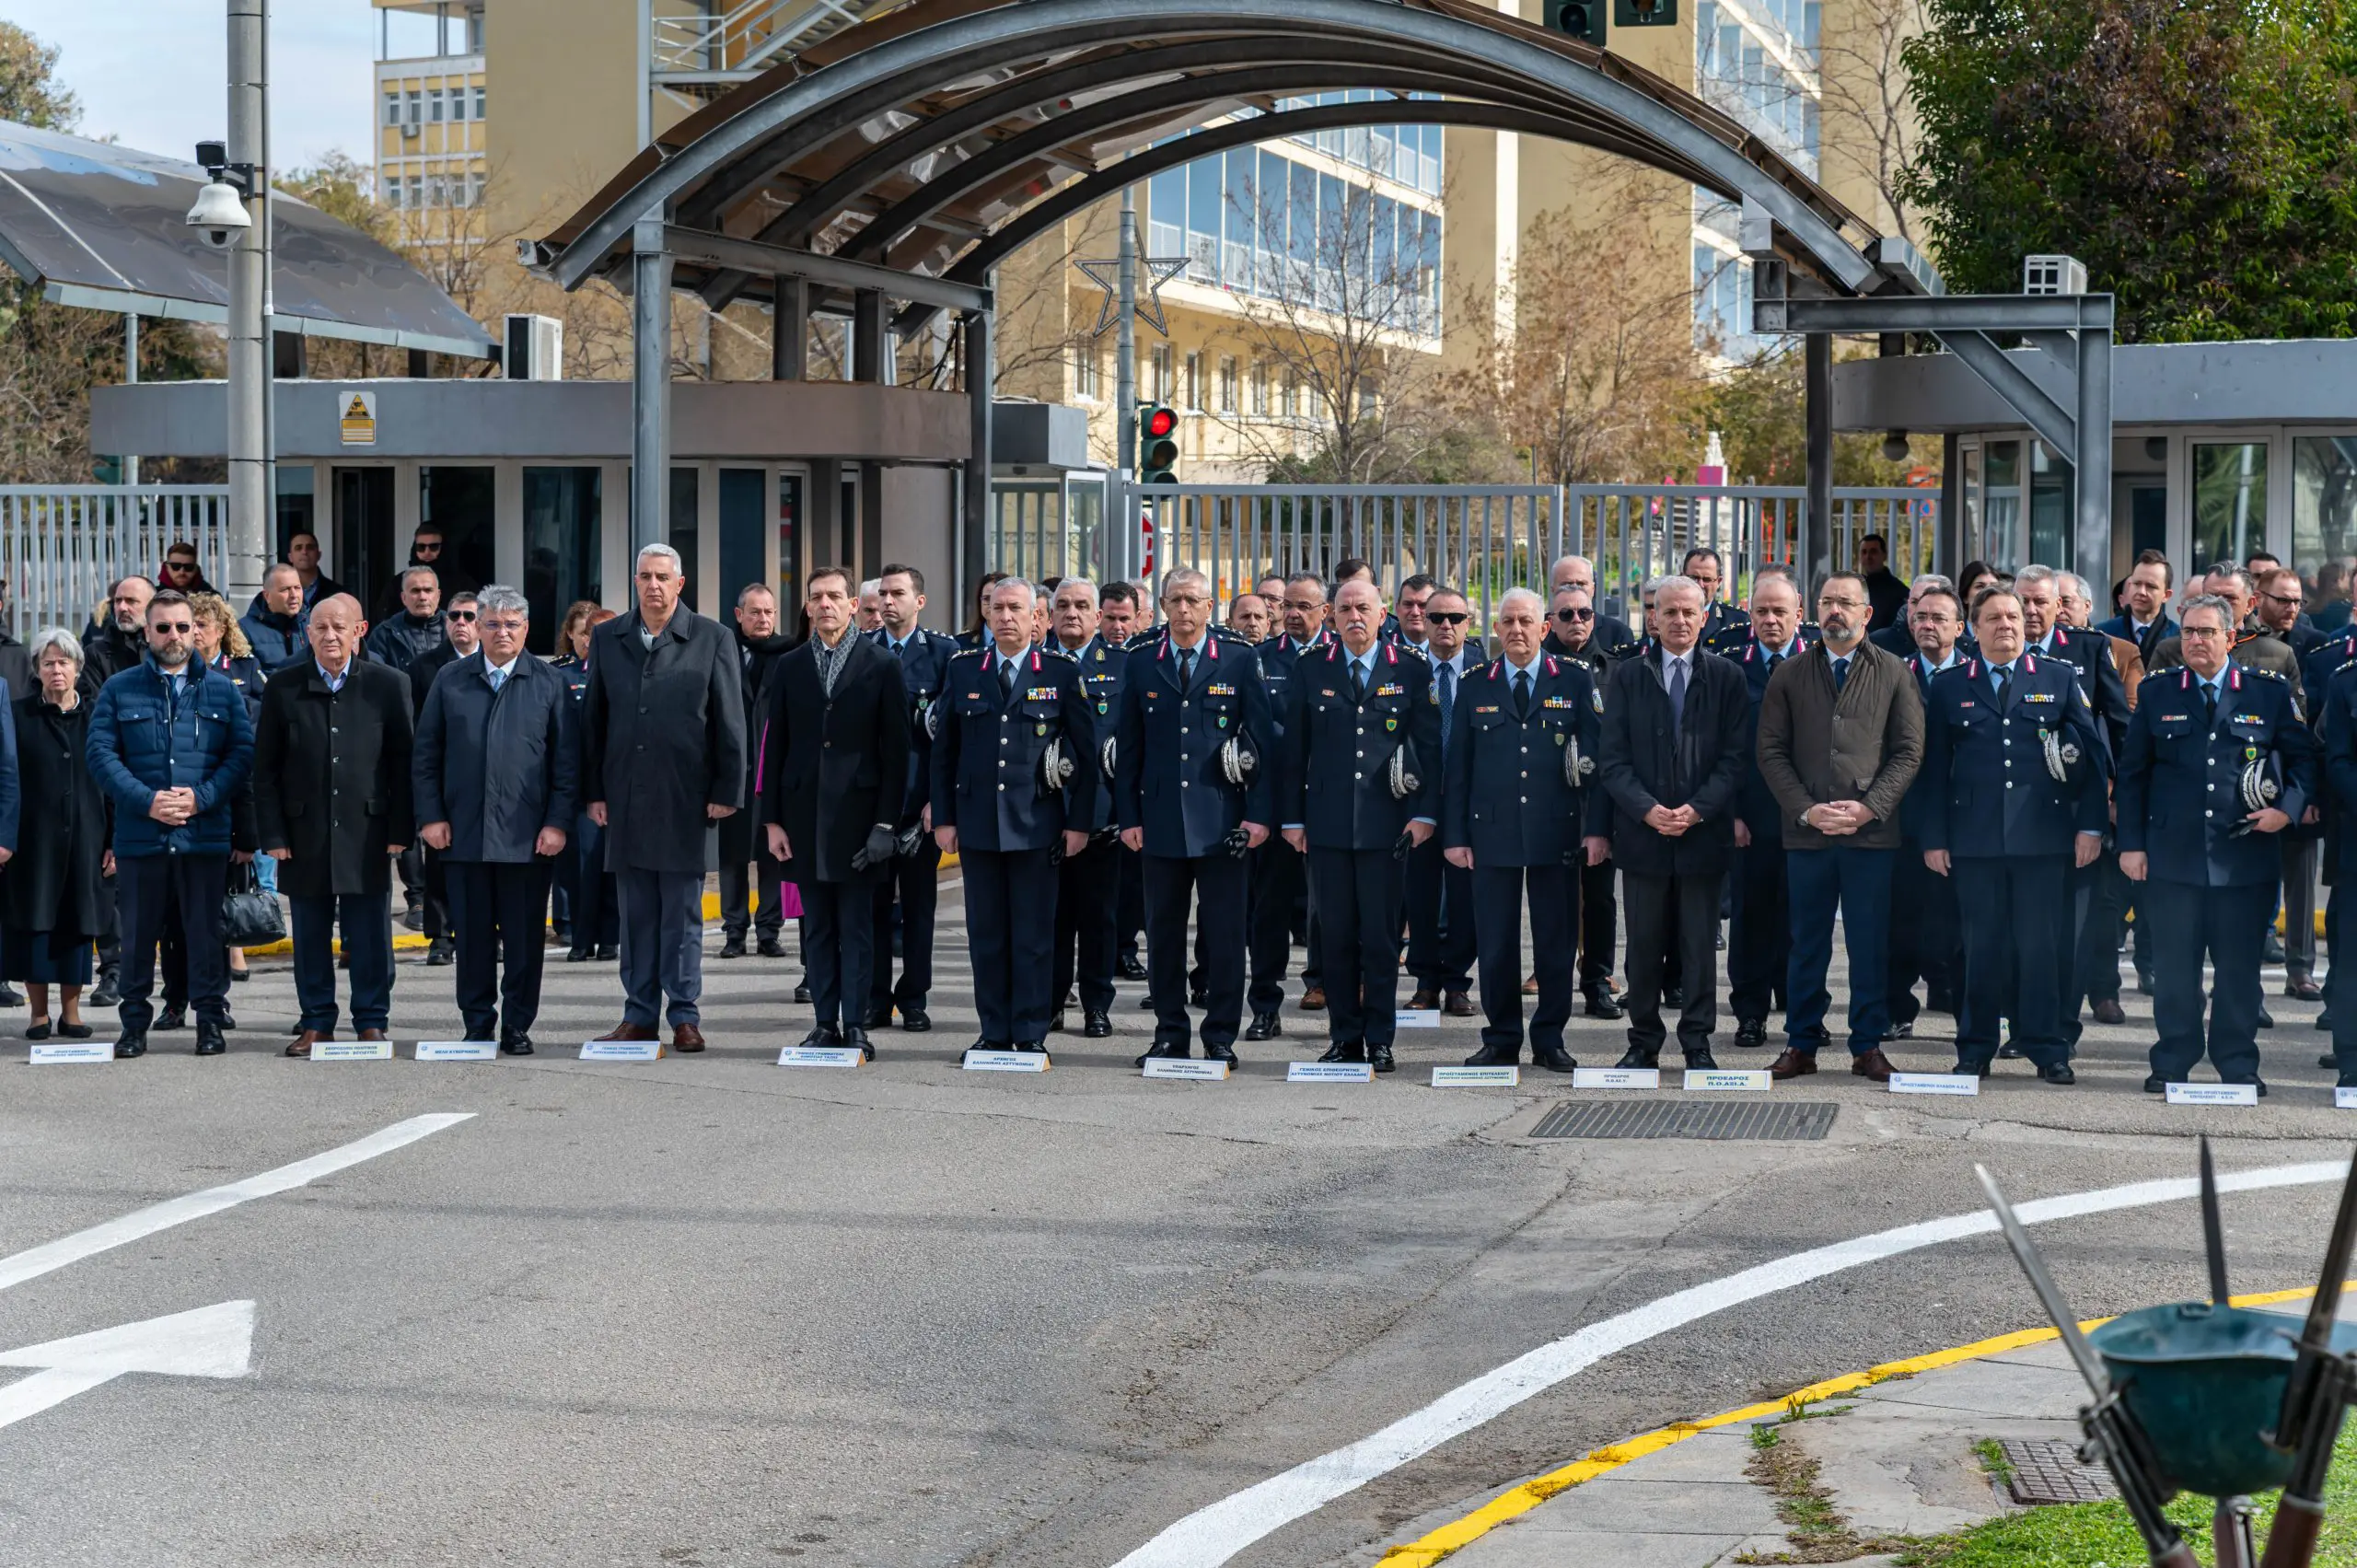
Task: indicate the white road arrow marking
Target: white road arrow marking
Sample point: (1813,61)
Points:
(212,1341)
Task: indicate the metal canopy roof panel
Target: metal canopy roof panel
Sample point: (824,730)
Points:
(102,226)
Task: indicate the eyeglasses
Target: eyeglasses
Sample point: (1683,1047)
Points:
(2281,598)
(508,624)
(182,627)
(1447,617)
(1571,617)
(179,566)
(426,547)
(457,615)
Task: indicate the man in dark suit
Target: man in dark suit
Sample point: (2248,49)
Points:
(1014,768)
(1760,925)
(1926,944)
(1088,882)
(1522,743)
(1607,636)
(421,865)
(1885,593)
(496,776)
(2145,620)
(833,773)
(1441,943)
(331,800)
(1120,611)
(663,758)
(1574,635)
(752,882)
(1193,795)
(1671,764)
(1898,637)
(909,892)
(1358,792)
(1279,873)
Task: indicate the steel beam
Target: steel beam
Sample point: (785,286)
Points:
(2092,474)
(790,329)
(867,336)
(2015,313)
(650,399)
(1947,549)
(707,249)
(980,375)
(1816,554)
(2055,425)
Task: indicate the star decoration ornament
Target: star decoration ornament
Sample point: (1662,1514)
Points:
(1106,273)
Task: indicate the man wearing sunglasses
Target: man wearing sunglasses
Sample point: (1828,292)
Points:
(1441,945)
(1609,636)
(1572,636)
(463,634)
(181,571)
(427,549)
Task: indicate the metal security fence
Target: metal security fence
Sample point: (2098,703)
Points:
(1636,532)
(62,547)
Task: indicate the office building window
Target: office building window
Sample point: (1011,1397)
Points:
(1161,387)
(479,92)
(1084,374)
(416,104)
(1227,384)
(434,106)
(1191,391)
(392,109)
(1259,392)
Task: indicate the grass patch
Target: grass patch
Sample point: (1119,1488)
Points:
(1817,1528)
(1992,1454)
(2098,1535)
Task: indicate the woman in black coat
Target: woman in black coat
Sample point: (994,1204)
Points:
(588,904)
(49,893)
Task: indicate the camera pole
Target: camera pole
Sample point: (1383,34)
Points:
(250,367)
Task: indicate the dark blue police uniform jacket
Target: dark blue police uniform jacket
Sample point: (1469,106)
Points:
(2336,716)
(2181,793)
(1100,665)
(1167,775)
(2317,668)
(925,670)
(1755,802)
(2090,654)
(1919,792)
(1986,792)
(1278,658)
(986,778)
(1326,723)
(1504,797)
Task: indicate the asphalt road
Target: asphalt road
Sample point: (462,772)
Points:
(708,1311)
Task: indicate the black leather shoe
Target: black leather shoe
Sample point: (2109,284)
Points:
(106,995)
(877,1017)
(1700,1060)
(2258,1084)
(1199,998)
(1264,1026)
(1600,1004)
(1638,1056)
(1095,1026)
(579,955)
(1495,1056)
(2328,1060)
(441,953)
(770,947)
(10,996)
(1037,1047)
(824,1035)
(2157,1084)
(859,1037)
(802,994)
(2109,1011)
(2009,1051)
(2270,950)
(2057,1072)
(1133,970)
(516,1045)
(1056,1022)
(2323,1021)
(1555,1058)
(1342,1053)
(1220,1053)
(2346,1081)
(608,952)
(1673,997)
(129,1046)
(2143,982)
(2266,1019)
(173,1017)
(734,947)
(1969,1069)
(1379,1058)
(914,1020)
(1177,1053)
(209,1042)
(1752,1034)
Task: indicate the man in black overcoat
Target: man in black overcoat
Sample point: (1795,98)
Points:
(662,759)
(331,800)
(832,779)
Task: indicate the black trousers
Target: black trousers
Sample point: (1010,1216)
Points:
(2097,977)
(914,884)
(838,947)
(1010,930)
(2078,901)
(148,890)
(1277,873)
(495,914)
(1759,930)
(1924,934)
(1218,885)
(1442,942)
(1359,892)
(1129,902)
(1497,920)
(1598,924)
(1087,886)
(2014,910)
(738,881)
(2225,924)
(110,927)
(1663,911)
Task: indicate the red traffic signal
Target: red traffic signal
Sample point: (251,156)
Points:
(1161,421)
(1157,445)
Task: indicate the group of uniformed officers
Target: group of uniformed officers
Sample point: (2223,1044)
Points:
(1973,788)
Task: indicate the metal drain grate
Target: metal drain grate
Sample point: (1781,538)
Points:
(2046,1471)
(1788,1121)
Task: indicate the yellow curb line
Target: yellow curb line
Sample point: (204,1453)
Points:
(1461,1533)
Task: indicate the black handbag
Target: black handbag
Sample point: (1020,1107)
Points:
(249,914)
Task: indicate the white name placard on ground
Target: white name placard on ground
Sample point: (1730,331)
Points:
(458,1050)
(1330,1073)
(1184,1067)
(1742,1080)
(2344,1100)
(821,1056)
(2213,1094)
(1935,1083)
(1475,1077)
(1616,1078)
(351,1051)
(1006,1061)
(73,1051)
(1418,1017)
(621,1049)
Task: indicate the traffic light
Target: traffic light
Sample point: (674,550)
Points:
(1157,445)
(1583,20)
(1644,13)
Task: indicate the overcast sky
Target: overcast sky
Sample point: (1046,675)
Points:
(151,73)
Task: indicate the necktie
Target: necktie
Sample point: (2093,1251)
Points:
(1447,703)
(2004,678)
(1522,693)
(1771,662)
(2209,705)
(1186,669)
(1841,675)
(1007,676)
(498,680)
(1677,694)
(1358,681)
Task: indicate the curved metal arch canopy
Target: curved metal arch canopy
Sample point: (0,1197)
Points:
(736,156)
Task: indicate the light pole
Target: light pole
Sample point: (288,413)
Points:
(249,389)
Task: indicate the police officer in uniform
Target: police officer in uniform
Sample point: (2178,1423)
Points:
(2339,781)
(2219,760)
(1279,871)
(1926,944)
(1193,794)
(1760,927)
(1013,783)
(910,893)
(1089,880)
(1441,945)
(1725,627)
(1522,746)
(1576,632)
(1120,607)
(1361,736)
(1994,819)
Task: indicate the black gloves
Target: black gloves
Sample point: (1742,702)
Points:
(881,841)
(1238,843)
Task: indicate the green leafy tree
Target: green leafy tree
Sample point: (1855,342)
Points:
(2199,155)
(29,93)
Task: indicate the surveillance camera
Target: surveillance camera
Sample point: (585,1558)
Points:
(219,216)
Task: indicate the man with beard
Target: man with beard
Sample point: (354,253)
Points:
(758,648)
(122,643)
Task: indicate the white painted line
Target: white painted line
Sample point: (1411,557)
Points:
(212,1341)
(52,1256)
(1215,1534)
